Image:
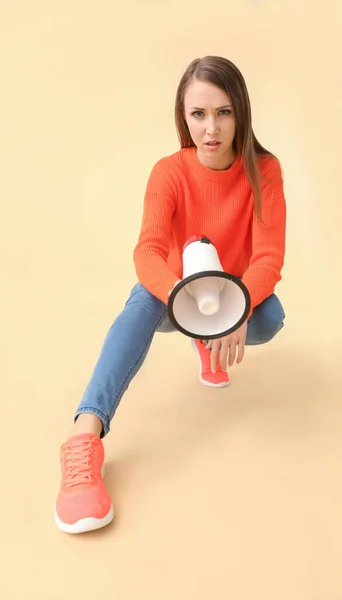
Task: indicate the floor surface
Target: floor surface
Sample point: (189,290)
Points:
(233,493)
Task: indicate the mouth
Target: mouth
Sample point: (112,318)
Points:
(213,144)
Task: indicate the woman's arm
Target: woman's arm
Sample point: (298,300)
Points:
(152,249)
(268,242)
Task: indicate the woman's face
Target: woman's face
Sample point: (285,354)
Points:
(209,115)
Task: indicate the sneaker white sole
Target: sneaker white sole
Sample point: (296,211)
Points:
(88,524)
(203,381)
(84,525)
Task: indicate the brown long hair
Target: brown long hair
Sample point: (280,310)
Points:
(225,75)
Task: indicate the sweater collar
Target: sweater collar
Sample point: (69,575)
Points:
(208,173)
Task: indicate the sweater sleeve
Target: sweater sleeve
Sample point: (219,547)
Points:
(268,238)
(152,249)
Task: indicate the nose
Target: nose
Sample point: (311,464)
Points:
(212,128)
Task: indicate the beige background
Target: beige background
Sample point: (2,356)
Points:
(218,494)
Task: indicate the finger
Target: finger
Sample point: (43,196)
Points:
(223,355)
(241,352)
(209,344)
(214,355)
(232,353)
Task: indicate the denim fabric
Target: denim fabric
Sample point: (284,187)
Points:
(129,339)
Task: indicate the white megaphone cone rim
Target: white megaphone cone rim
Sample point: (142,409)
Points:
(199,306)
(204,335)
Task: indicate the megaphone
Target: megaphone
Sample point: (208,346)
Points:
(208,303)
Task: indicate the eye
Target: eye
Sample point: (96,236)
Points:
(199,113)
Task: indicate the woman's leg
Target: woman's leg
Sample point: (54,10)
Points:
(266,321)
(83,502)
(264,324)
(123,353)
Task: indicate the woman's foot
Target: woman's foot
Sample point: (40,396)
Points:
(218,379)
(83,503)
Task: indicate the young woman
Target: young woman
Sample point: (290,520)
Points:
(221,183)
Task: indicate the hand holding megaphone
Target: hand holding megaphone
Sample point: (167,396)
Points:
(177,282)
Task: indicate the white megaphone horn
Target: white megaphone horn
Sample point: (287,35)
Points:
(208,303)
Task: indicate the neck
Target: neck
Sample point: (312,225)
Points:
(221,164)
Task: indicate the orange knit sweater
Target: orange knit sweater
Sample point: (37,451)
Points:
(185,198)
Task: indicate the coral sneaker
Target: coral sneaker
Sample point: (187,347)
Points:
(83,503)
(206,376)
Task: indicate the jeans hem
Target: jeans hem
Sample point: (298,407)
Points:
(98,413)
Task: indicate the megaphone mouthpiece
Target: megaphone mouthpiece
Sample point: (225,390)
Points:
(206,292)
(208,306)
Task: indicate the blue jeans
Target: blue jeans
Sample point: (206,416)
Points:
(129,339)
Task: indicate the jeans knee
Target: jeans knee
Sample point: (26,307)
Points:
(266,322)
(274,324)
(142,298)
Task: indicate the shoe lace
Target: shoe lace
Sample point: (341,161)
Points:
(80,463)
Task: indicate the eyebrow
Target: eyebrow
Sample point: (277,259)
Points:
(219,108)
